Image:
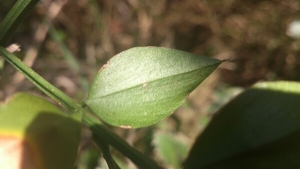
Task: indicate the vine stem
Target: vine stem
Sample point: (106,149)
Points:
(60,97)
(102,132)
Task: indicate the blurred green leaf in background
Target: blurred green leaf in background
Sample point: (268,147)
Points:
(260,128)
(170,149)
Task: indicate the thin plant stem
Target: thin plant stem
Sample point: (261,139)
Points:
(50,90)
(101,131)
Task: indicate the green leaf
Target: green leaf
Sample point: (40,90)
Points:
(260,128)
(143,85)
(37,134)
(170,149)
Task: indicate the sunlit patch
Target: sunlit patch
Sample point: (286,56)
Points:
(16,153)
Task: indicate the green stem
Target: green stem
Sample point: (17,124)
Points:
(103,145)
(14,18)
(98,129)
(50,90)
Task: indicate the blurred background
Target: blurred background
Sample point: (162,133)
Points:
(67,42)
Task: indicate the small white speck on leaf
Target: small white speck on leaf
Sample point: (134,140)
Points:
(145,84)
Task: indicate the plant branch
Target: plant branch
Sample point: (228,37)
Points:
(50,90)
(99,130)
(103,145)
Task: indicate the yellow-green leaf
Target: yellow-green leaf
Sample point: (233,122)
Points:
(36,134)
